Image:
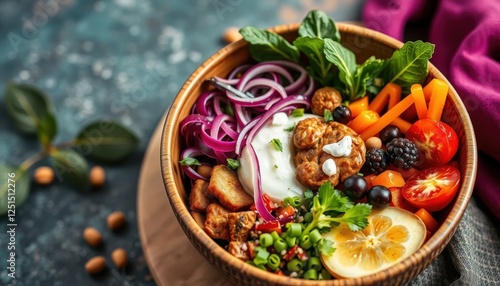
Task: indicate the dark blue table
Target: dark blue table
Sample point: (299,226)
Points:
(121,59)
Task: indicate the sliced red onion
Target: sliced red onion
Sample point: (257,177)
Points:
(188,170)
(261,68)
(257,192)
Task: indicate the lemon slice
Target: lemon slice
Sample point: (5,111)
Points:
(392,235)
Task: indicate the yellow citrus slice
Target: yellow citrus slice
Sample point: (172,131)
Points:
(392,235)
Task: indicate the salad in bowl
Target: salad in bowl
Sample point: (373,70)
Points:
(307,157)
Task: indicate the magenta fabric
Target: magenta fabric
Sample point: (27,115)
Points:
(467,38)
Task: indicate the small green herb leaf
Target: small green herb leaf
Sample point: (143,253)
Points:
(357,216)
(189,162)
(365,76)
(265,45)
(233,164)
(275,166)
(71,168)
(106,141)
(291,128)
(14,188)
(408,65)
(325,247)
(47,129)
(26,106)
(297,112)
(328,115)
(332,199)
(277,144)
(317,24)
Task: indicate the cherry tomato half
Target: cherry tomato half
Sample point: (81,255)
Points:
(433,188)
(398,201)
(436,141)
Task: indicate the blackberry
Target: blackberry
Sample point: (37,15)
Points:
(403,153)
(377,160)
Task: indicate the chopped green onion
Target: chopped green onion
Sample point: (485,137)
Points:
(294,265)
(294,201)
(280,245)
(291,241)
(261,257)
(233,164)
(277,144)
(189,162)
(325,275)
(314,263)
(295,229)
(265,240)
(297,112)
(273,261)
(275,236)
(315,236)
(308,217)
(311,274)
(305,242)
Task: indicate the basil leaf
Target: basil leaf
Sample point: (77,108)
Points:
(26,105)
(344,60)
(266,46)
(319,67)
(107,141)
(408,65)
(71,168)
(14,189)
(47,128)
(317,24)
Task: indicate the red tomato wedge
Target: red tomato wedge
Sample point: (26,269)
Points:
(436,141)
(433,188)
(398,201)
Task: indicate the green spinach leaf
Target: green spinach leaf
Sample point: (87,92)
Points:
(317,24)
(319,67)
(408,65)
(266,46)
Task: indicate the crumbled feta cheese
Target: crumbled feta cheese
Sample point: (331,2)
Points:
(329,167)
(244,247)
(280,118)
(341,148)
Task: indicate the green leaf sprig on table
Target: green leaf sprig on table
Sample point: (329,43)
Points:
(32,113)
(332,64)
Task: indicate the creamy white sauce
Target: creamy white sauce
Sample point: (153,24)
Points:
(280,118)
(277,168)
(329,167)
(339,149)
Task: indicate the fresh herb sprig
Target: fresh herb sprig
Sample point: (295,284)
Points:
(31,113)
(332,64)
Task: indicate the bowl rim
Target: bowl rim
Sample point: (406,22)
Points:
(432,247)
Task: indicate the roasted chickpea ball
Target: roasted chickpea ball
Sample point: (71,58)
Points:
(325,98)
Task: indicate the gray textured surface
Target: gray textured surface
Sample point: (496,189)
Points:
(92,58)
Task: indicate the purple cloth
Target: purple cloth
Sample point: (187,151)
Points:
(467,38)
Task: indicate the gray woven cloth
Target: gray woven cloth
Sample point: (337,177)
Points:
(473,255)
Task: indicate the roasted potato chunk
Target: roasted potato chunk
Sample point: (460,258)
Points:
(224,185)
(240,224)
(199,198)
(199,218)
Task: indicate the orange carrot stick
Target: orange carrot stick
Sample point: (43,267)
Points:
(402,124)
(387,118)
(365,119)
(438,99)
(358,106)
(390,93)
(430,222)
(428,89)
(420,104)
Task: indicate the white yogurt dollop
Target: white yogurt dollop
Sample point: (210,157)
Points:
(277,169)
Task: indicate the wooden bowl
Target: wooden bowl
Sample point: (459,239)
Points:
(364,43)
